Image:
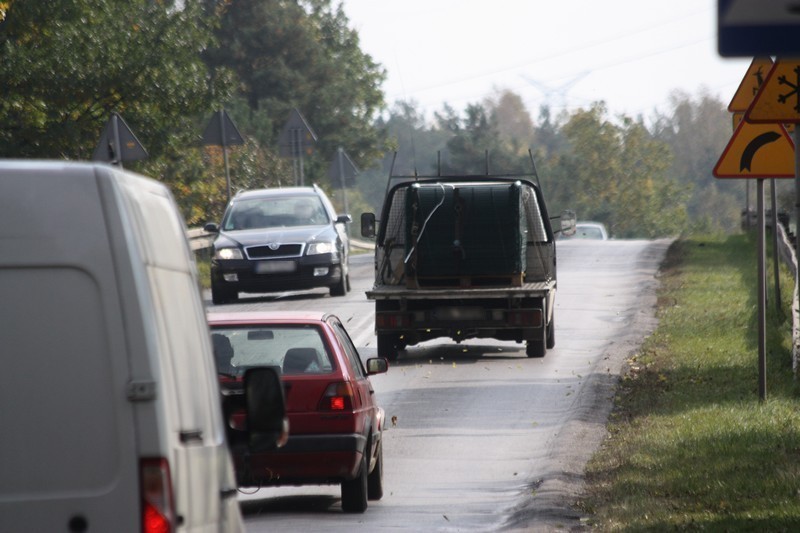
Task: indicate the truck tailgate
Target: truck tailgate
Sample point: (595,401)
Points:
(536,288)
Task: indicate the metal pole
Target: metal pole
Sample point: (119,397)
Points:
(340,157)
(747,204)
(762,295)
(300,151)
(775,264)
(225,155)
(341,178)
(115,132)
(796,139)
(295,150)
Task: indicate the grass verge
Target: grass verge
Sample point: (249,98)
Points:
(690,445)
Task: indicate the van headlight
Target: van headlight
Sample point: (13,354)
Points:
(316,248)
(228,253)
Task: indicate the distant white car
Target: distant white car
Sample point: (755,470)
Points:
(589,230)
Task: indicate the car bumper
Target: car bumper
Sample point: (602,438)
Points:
(308,273)
(305,459)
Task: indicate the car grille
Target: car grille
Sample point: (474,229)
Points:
(265,252)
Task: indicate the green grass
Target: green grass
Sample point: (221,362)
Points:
(204,269)
(690,445)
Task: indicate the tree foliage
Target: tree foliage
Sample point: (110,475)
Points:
(165,66)
(66,65)
(302,54)
(697,130)
(615,172)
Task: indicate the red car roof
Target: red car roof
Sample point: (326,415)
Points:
(250,317)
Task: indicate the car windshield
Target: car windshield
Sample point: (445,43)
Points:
(294,349)
(284,211)
(588,232)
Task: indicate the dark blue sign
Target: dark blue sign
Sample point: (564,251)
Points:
(747,28)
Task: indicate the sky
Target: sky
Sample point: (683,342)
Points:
(632,54)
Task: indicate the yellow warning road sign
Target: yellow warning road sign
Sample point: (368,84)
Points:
(757,151)
(778,99)
(752,80)
(738,116)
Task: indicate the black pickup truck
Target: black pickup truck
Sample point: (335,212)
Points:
(464,257)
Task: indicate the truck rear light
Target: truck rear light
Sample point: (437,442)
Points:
(158,509)
(391,320)
(525,317)
(337,397)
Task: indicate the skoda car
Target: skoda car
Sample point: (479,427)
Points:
(335,422)
(279,240)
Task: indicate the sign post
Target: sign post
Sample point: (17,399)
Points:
(221,131)
(295,139)
(760,151)
(778,100)
(343,168)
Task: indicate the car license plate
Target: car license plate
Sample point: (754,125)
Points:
(275,267)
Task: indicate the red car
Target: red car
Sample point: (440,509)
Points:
(335,425)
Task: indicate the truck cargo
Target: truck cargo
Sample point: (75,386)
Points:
(464,257)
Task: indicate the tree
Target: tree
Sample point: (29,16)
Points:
(512,121)
(302,54)
(617,174)
(65,65)
(697,130)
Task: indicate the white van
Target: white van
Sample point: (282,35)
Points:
(110,413)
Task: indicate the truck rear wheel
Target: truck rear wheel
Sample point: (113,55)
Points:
(388,346)
(222,295)
(536,347)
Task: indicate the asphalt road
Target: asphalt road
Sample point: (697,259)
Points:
(485,438)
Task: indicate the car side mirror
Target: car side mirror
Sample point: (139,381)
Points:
(344,219)
(267,424)
(368,224)
(568,221)
(377,365)
(211,227)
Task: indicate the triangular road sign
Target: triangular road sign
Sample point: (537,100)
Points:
(296,137)
(221,131)
(778,99)
(342,168)
(752,80)
(118,143)
(757,151)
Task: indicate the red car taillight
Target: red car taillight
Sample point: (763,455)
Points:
(337,397)
(238,420)
(158,511)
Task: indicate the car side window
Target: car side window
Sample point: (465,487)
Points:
(349,348)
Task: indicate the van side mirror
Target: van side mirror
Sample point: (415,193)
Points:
(368,224)
(211,227)
(267,425)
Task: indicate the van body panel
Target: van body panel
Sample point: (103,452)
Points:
(98,292)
